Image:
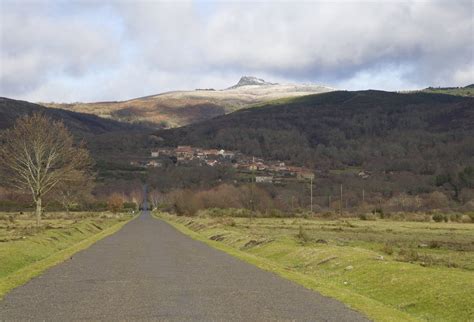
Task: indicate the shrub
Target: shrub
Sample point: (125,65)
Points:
(467,219)
(275,213)
(388,248)
(302,235)
(435,200)
(367,217)
(378,211)
(115,203)
(434,244)
(409,255)
(454,217)
(130,205)
(439,217)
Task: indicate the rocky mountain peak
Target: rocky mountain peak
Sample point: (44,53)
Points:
(251,80)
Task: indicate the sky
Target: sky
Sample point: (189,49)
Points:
(96,50)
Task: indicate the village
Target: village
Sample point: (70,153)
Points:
(263,171)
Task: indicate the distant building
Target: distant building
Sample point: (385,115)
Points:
(211,152)
(305,175)
(162,152)
(264,179)
(212,163)
(154,164)
(184,152)
(252,167)
(226,154)
(364,174)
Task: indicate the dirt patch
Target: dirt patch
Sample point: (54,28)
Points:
(253,243)
(217,237)
(327,260)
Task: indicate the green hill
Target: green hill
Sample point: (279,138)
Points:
(458,91)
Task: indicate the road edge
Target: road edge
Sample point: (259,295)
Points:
(22,276)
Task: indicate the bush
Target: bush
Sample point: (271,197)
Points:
(388,248)
(115,203)
(378,211)
(409,255)
(367,217)
(434,244)
(130,205)
(302,235)
(439,217)
(467,219)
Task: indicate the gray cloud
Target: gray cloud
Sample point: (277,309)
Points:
(39,44)
(140,48)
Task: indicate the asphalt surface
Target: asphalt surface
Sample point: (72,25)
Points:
(150,271)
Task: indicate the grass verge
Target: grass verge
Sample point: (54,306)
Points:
(30,256)
(338,261)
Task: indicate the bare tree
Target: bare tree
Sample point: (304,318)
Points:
(156,197)
(38,154)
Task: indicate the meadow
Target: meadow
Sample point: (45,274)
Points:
(389,270)
(26,250)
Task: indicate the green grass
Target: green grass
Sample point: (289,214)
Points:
(381,268)
(457,91)
(26,251)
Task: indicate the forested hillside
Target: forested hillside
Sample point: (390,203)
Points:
(104,137)
(78,123)
(374,129)
(417,137)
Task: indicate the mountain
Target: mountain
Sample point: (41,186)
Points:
(251,80)
(417,133)
(178,108)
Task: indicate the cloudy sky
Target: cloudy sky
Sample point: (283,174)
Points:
(91,50)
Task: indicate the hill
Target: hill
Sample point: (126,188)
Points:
(458,91)
(106,138)
(177,108)
(411,135)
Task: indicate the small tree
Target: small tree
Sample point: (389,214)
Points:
(38,154)
(115,203)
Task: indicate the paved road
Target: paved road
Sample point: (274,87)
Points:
(148,270)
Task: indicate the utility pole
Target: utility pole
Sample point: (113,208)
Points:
(340,210)
(329,201)
(311,189)
(363,195)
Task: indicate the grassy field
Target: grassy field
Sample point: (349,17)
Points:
(458,91)
(385,269)
(26,251)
